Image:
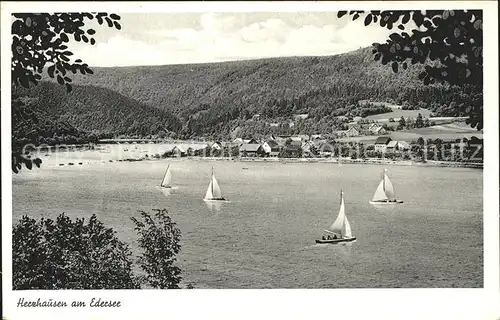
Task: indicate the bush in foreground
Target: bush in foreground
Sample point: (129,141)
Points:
(79,254)
(66,254)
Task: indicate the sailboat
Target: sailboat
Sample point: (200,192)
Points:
(385,192)
(213,191)
(167,179)
(340,229)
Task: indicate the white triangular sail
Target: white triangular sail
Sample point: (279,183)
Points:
(167,179)
(216,194)
(341,225)
(380,193)
(389,188)
(213,191)
(385,189)
(347,228)
(208,195)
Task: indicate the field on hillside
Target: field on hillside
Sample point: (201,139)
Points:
(398,113)
(446,132)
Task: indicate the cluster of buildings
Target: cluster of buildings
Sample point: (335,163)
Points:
(276,146)
(357,128)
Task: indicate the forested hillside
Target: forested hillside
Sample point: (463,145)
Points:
(32,125)
(101,111)
(214,99)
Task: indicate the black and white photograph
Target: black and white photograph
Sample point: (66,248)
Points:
(329,148)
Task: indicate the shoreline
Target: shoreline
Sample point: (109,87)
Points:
(428,163)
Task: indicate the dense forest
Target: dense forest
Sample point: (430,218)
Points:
(99,111)
(220,99)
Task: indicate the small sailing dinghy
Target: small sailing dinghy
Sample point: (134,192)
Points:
(385,192)
(167,179)
(213,191)
(340,229)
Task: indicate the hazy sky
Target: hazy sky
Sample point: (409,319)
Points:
(172,38)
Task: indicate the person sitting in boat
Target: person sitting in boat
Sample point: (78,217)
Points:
(323,238)
(329,238)
(334,236)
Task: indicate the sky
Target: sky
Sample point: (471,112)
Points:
(180,38)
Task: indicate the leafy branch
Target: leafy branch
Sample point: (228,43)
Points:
(39,42)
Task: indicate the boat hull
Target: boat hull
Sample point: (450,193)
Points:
(387,202)
(335,240)
(215,199)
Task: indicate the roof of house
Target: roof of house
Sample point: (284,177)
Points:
(382,140)
(392,144)
(251,141)
(404,144)
(351,128)
(178,148)
(272,143)
(250,147)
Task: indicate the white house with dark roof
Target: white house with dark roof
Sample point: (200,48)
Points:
(381,144)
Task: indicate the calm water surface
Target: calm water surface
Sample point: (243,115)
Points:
(264,237)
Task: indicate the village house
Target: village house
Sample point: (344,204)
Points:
(215,145)
(391,146)
(379,131)
(381,144)
(397,146)
(375,128)
(275,148)
(403,146)
(352,132)
(251,150)
(266,148)
(178,151)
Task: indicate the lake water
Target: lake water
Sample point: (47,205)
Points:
(265,236)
